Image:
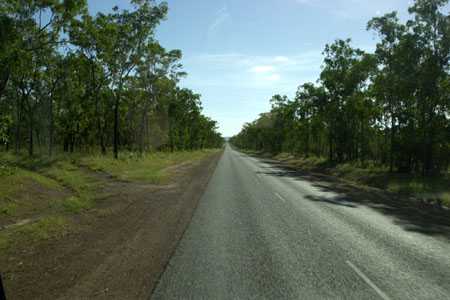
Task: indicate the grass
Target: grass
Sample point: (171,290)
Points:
(75,204)
(20,173)
(16,178)
(51,190)
(425,188)
(17,195)
(372,174)
(63,172)
(44,229)
(151,167)
(8,209)
(83,185)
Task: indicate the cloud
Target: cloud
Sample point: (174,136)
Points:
(277,73)
(353,9)
(281,59)
(305,1)
(221,17)
(262,69)
(273,77)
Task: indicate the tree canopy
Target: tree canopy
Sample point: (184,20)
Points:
(391,106)
(73,81)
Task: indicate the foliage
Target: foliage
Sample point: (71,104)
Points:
(391,107)
(72,81)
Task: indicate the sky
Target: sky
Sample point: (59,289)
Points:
(238,53)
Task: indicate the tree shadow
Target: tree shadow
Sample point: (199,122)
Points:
(412,215)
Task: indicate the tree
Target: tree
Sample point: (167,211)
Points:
(122,38)
(389,107)
(72,81)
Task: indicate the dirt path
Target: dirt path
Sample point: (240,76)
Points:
(119,250)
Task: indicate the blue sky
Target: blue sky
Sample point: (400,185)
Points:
(238,53)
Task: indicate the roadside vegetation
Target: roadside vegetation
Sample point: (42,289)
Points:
(75,82)
(430,189)
(86,100)
(39,196)
(152,167)
(379,118)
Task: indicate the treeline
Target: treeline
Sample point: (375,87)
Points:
(391,107)
(72,81)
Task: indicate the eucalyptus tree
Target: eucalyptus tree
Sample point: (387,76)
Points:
(344,77)
(410,84)
(37,28)
(392,107)
(183,110)
(431,28)
(85,36)
(122,39)
(313,122)
(157,73)
(394,83)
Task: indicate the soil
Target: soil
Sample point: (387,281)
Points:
(118,250)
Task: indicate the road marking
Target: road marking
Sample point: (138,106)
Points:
(279,196)
(368,281)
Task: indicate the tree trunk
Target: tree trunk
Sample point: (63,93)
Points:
(51,128)
(38,138)
(30,145)
(4,81)
(116,128)
(66,143)
(330,141)
(391,154)
(17,129)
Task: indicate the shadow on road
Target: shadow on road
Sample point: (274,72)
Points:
(411,215)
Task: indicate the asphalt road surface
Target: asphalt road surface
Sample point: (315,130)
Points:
(260,232)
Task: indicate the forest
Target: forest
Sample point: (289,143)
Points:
(72,81)
(390,107)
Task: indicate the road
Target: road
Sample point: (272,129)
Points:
(260,233)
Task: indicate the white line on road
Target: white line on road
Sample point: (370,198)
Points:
(368,281)
(279,196)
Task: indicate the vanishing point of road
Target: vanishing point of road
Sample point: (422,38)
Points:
(260,232)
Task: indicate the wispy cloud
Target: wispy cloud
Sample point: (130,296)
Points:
(262,69)
(278,73)
(281,59)
(353,9)
(272,77)
(221,17)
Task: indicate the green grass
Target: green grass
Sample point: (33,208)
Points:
(16,195)
(75,204)
(43,229)
(369,173)
(58,173)
(151,167)
(83,185)
(63,173)
(17,178)
(8,209)
(25,182)
(424,188)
